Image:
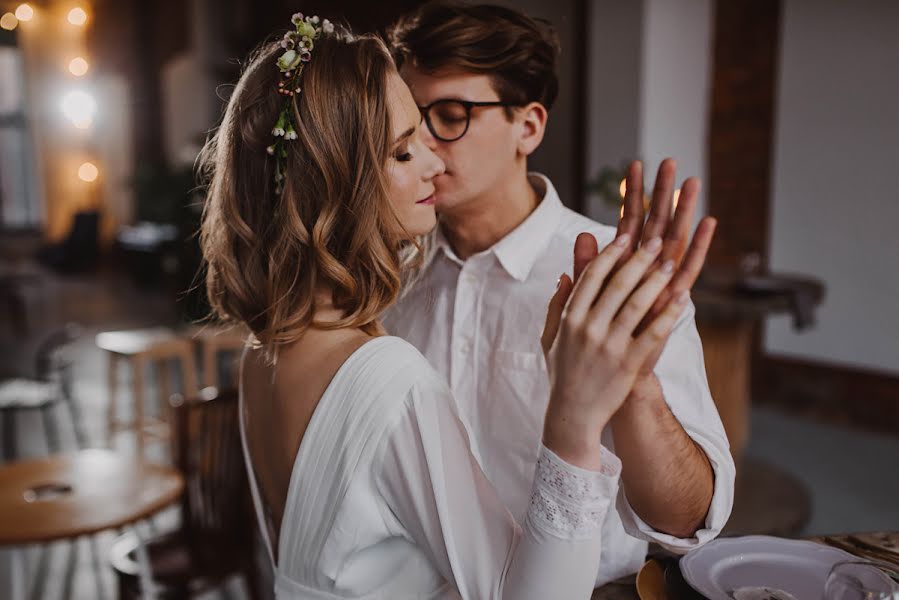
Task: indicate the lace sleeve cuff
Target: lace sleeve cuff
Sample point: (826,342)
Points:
(569,502)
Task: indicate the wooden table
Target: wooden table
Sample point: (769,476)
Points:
(729,308)
(66,496)
(626,589)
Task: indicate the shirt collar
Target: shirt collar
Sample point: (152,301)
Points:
(519,249)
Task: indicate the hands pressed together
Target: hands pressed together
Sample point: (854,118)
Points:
(606,328)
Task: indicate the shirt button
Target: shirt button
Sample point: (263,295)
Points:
(464,346)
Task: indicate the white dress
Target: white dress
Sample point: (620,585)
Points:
(387,501)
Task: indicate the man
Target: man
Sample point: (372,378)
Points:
(484,77)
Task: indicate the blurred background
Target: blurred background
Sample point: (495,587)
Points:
(787,109)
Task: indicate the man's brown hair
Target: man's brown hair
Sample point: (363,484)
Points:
(518,52)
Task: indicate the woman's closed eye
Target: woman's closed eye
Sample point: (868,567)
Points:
(403,155)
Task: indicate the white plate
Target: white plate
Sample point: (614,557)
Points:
(793,566)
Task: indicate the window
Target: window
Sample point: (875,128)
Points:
(20,199)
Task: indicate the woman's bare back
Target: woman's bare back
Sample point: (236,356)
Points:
(278,404)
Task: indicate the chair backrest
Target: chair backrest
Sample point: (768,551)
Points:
(208,452)
(51,361)
(84,235)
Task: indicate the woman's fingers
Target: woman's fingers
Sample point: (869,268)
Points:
(638,305)
(554,313)
(590,282)
(654,337)
(622,284)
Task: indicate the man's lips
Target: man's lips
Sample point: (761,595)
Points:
(429,200)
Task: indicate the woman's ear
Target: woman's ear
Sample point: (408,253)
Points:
(533,118)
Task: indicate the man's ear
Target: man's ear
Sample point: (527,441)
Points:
(533,119)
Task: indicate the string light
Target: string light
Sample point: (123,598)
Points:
(79,107)
(9,21)
(78,66)
(24,12)
(88,172)
(77,16)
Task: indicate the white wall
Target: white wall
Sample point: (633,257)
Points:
(676,87)
(614,47)
(835,198)
(649,66)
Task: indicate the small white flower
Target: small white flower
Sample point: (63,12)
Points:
(290,135)
(288,61)
(297,18)
(278,131)
(314,20)
(327,26)
(271,150)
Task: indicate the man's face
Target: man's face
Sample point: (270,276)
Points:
(485,156)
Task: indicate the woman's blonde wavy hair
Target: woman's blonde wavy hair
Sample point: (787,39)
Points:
(332,227)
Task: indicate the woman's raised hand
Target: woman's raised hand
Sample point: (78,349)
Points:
(591,351)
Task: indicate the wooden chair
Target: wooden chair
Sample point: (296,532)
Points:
(216,538)
(214,341)
(140,348)
(51,386)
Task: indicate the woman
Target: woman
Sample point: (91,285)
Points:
(362,473)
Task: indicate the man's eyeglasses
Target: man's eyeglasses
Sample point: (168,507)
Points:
(448,120)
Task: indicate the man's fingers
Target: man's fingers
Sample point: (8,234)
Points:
(585,250)
(694,260)
(554,312)
(656,334)
(662,199)
(678,234)
(690,268)
(633,215)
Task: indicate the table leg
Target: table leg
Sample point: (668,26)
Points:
(145,575)
(137,395)
(9,434)
(112,383)
(70,568)
(12,570)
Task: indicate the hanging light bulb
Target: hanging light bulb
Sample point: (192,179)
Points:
(79,107)
(24,12)
(9,21)
(88,172)
(77,16)
(78,66)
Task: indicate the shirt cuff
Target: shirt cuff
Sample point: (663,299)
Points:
(569,502)
(719,509)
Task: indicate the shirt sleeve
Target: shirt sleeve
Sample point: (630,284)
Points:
(681,372)
(437,496)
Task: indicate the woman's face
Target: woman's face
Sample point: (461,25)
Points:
(411,166)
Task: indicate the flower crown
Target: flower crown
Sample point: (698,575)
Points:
(298,45)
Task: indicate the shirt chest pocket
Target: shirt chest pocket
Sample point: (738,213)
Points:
(518,392)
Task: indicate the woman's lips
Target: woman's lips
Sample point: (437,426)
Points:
(429,200)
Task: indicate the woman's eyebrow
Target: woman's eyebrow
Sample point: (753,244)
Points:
(404,135)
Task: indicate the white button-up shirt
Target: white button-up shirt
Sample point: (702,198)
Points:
(478,321)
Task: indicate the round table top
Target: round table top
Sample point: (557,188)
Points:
(69,495)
